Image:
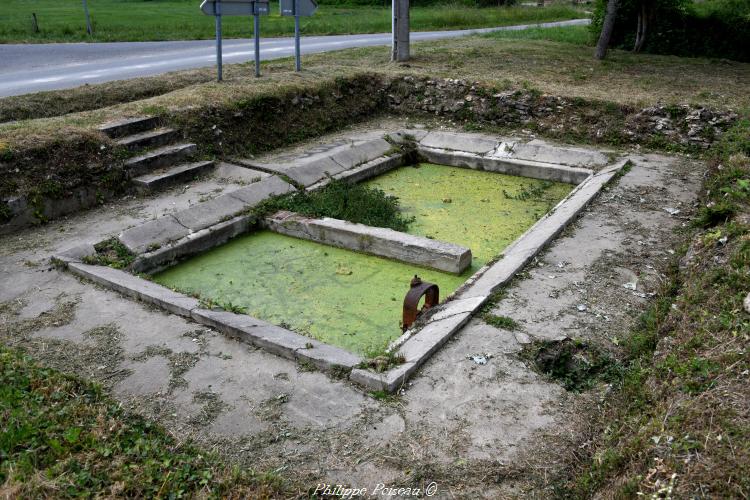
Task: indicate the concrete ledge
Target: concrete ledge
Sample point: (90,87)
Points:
(170,229)
(524,168)
(154,233)
(74,254)
(136,287)
(520,252)
(365,171)
(470,143)
(207,213)
(389,381)
(205,239)
(378,241)
(446,320)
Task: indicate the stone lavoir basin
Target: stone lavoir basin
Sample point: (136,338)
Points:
(325,292)
(353,300)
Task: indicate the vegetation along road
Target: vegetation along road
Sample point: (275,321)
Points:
(34,68)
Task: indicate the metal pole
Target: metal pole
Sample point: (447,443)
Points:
(256,29)
(218,40)
(297,56)
(88,18)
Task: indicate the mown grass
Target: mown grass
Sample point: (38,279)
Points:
(61,437)
(679,422)
(138,20)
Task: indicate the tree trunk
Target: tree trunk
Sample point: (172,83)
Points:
(607,27)
(644,22)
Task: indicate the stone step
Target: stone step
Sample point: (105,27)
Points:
(163,179)
(128,126)
(149,139)
(159,158)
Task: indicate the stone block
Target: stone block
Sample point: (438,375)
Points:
(378,241)
(361,153)
(156,232)
(470,143)
(207,213)
(259,191)
(137,288)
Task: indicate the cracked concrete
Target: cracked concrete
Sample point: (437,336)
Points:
(492,430)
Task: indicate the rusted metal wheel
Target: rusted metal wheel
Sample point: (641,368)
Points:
(419,288)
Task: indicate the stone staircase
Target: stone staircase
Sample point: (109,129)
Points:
(163,160)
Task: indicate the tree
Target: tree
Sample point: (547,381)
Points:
(607,27)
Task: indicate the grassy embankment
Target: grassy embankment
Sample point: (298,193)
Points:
(137,20)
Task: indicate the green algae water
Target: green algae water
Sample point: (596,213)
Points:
(483,211)
(354,300)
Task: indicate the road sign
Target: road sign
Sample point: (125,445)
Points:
(220,8)
(297,8)
(304,7)
(235,7)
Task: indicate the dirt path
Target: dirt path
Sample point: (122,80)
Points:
(489,430)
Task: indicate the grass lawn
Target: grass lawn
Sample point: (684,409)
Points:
(138,20)
(61,437)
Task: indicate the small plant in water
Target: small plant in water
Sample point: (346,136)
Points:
(341,200)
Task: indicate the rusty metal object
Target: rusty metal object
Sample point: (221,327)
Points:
(419,288)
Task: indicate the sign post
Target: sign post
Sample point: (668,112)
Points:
(297,8)
(217,16)
(219,8)
(256,34)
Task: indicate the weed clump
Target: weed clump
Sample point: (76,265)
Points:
(111,253)
(575,364)
(340,200)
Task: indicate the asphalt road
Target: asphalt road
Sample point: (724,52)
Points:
(28,68)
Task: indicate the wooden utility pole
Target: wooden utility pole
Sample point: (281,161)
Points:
(400,28)
(88,18)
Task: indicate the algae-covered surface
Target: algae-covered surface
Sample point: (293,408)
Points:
(483,211)
(354,300)
(340,297)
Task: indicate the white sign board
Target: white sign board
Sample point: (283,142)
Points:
(235,7)
(305,7)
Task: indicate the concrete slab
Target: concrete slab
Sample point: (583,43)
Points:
(510,166)
(562,155)
(358,154)
(237,174)
(326,357)
(194,243)
(259,191)
(75,254)
(152,234)
(378,241)
(470,143)
(207,213)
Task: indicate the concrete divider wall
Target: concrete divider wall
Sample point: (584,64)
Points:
(378,241)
